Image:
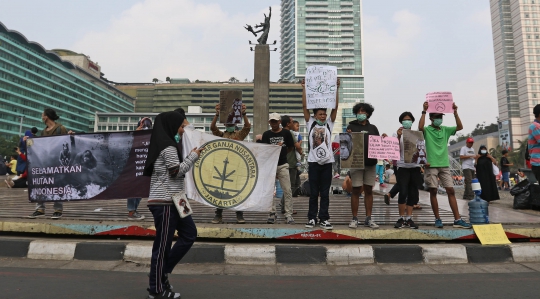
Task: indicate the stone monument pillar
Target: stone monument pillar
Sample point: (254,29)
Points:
(261,89)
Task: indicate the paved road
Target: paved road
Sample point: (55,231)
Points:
(60,283)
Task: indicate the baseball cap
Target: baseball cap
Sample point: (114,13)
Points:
(274,116)
(470,140)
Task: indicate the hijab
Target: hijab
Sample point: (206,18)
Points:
(165,128)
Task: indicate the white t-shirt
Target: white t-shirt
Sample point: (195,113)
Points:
(468,163)
(321,151)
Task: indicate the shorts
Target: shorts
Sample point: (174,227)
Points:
(362,177)
(432,175)
(506,177)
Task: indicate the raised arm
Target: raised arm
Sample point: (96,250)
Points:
(458,120)
(422,121)
(213,126)
(333,114)
(304,101)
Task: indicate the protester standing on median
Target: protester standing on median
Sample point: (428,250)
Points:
(505,169)
(320,160)
(363,179)
(467,157)
(49,117)
(438,167)
(283,138)
(408,178)
(484,173)
(287,123)
(231,132)
(534,143)
(166,167)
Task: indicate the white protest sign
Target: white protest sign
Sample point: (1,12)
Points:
(440,102)
(321,86)
(383,148)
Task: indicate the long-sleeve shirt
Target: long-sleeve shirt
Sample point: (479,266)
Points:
(168,176)
(236,135)
(534,143)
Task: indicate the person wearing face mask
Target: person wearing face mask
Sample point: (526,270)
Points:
(484,173)
(231,132)
(320,160)
(438,167)
(362,179)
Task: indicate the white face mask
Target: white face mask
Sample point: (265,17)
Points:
(483,152)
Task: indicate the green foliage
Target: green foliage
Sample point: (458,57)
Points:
(7,144)
(168,79)
(479,130)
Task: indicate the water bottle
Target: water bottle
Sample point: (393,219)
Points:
(478,208)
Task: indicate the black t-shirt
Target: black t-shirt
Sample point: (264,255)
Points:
(505,168)
(368,129)
(283,136)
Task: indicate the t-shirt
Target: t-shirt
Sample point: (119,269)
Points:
(437,145)
(319,141)
(504,160)
(13,166)
(534,143)
(468,163)
(367,129)
(387,174)
(283,136)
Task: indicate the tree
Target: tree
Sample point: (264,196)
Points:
(7,145)
(480,129)
(168,79)
(155,80)
(233,80)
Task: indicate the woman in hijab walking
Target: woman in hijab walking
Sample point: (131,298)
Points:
(166,168)
(484,173)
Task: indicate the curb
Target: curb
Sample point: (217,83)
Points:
(238,254)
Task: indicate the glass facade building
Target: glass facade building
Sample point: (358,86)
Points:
(516,44)
(325,32)
(32,79)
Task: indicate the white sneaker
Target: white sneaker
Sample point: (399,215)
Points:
(310,223)
(353,223)
(370,223)
(326,225)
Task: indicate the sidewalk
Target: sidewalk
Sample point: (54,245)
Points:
(109,218)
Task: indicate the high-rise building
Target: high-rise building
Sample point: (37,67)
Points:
(32,79)
(325,32)
(516,41)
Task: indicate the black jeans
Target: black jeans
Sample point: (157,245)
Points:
(408,180)
(320,179)
(536,172)
(164,258)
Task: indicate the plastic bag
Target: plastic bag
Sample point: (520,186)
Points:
(520,187)
(495,169)
(522,201)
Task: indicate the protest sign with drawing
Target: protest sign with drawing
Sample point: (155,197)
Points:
(414,147)
(230,106)
(351,150)
(383,148)
(440,102)
(321,86)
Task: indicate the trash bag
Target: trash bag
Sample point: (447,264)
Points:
(522,201)
(520,187)
(534,198)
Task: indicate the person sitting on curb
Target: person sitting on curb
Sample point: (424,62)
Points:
(231,132)
(21,180)
(438,167)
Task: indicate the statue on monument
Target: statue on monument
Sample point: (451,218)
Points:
(265,28)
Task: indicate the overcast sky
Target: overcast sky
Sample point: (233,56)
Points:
(410,47)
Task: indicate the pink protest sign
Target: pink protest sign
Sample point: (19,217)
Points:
(440,102)
(383,148)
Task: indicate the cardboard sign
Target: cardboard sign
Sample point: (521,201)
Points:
(383,148)
(351,150)
(230,106)
(491,234)
(321,86)
(440,102)
(414,147)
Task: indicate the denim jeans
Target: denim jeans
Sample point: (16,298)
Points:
(58,206)
(133,204)
(165,258)
(320,179)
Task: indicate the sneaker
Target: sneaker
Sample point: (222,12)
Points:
(165,295)
(382,185)
(326,225)
(56,215)
(289,220)
(271,218)
(438,223)
(217,219)
(310,223)
(387,199)
(133,215)
(336,176)
(240,218)
(361,196)
(410,224)
(166,284)
(353,223)
(370,223)
(36,214)
(399,223)
(9,184)
(462,224)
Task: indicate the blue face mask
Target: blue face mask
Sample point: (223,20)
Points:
(361,117)
(407,124)
(437,122)
(177,138)
(320,122)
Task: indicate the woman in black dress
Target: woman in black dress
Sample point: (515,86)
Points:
(484,173)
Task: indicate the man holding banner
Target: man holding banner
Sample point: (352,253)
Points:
(438,168)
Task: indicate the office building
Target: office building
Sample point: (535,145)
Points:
(325,32)
(516,42)
(32,79)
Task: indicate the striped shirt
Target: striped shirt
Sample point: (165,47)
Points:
(534,143)
(168,176)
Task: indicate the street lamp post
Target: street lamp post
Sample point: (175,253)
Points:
(20,126)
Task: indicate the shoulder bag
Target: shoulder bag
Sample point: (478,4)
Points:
(180,201)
